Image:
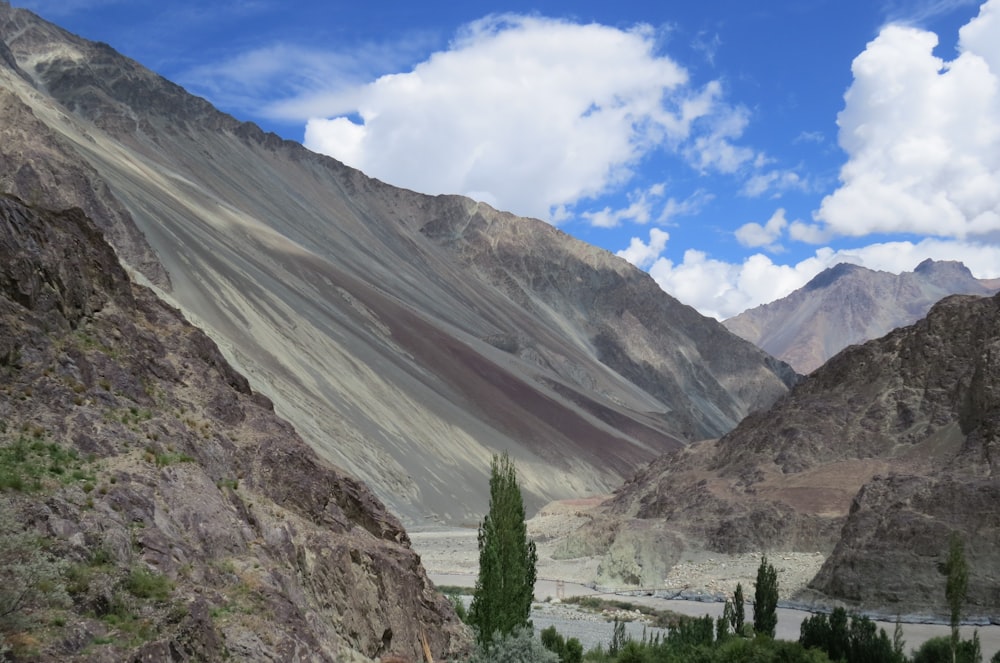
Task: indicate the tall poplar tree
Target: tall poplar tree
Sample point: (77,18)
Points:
(507,559)
(765,603)
(956,587)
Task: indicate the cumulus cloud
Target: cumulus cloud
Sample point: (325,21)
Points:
(755,235)
(535,115)
(922,136)
(641,254)
(722,289)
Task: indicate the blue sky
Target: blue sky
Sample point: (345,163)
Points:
(732,149)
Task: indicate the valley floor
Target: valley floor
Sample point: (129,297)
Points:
(450,555)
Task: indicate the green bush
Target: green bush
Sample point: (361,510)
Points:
(938,650)
(519,646)
(146,584)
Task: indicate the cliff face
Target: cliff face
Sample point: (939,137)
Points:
(133,449)
(876,457)
(848,304)
(406,337)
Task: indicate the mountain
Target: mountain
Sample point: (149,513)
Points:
(875,458)
(848,304)
(193,523)
(406,337)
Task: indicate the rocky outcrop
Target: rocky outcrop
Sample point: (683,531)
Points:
(892,546)
(135,450)
(876,458)
(406,337)
(848,304)
(899,525)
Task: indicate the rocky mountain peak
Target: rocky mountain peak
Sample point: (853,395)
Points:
(831,275)
(848,304)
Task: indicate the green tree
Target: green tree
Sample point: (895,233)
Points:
(898,644)
(553,641)
(765,604)
(618,638)
(938,650)
(507,558)
(739,610)
(573,652)
(956,586)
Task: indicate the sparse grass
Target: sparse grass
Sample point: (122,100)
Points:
(164,459)
(28,463)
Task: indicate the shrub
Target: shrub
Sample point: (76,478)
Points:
(519,646)
(30,578)
(938,650)
(146,584)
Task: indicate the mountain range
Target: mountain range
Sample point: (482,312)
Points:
(848,304)
(406,337)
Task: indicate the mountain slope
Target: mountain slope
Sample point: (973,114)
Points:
(848,304)
(876,457)
(406,337)
(131,449)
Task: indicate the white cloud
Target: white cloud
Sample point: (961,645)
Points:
(536,114)
(690,205)
(721,290)
(922,136)
(639,210)
(755,235)
(641,254)
(775,181)
(715,150)
(915,12)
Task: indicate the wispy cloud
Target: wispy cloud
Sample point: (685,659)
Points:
(918,12)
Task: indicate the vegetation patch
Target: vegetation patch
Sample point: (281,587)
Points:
(144,583)
(30,464)
(614,608)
